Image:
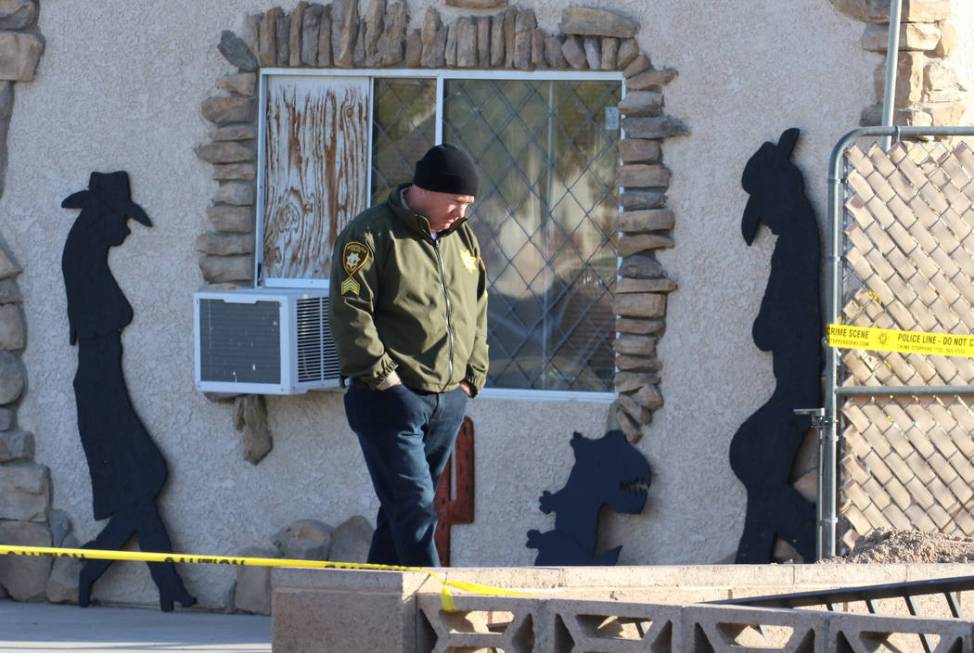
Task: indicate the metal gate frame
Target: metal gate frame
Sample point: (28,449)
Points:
(834,394)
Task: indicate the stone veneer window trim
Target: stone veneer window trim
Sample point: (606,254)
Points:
(588,38)
(928,91)
(439,74)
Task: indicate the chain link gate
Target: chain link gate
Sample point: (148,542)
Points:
(898,430)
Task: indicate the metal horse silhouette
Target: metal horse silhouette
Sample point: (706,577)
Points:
(789,326)
(127,469)
(607,472)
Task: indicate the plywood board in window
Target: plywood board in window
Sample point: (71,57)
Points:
(315,173)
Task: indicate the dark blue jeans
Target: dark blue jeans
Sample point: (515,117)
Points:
(407,438)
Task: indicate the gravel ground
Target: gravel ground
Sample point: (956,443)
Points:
(881,546)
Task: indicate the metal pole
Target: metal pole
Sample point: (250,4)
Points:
(828,462)
(892,58)
(816,416)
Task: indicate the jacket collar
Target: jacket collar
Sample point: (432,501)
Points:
(415,221)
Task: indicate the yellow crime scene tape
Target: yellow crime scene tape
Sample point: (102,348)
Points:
(844,336)
(446,598)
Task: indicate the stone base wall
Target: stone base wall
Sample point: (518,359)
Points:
(26,517)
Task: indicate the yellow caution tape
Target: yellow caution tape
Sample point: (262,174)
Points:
(844,336)
(446,598)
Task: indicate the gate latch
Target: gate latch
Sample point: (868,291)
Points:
(817,415)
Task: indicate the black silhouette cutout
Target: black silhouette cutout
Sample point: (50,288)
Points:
(127,469)
(789,326)
(607,472)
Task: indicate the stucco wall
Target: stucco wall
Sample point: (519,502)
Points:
(962,59)
(120,88)
(962,17)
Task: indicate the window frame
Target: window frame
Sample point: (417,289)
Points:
(440,75)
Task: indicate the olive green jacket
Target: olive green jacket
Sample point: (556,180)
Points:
(402,300)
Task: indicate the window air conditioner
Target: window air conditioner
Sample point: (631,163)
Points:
(264,341)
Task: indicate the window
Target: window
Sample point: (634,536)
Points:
(546,147)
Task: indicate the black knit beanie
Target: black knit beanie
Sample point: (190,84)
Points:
(447,169)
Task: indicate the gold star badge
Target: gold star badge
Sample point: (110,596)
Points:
(469,261)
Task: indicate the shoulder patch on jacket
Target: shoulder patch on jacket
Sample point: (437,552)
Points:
(354,257)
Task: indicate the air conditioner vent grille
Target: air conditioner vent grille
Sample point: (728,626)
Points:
(240,343)
(310,323)
(329,355)
(317,359)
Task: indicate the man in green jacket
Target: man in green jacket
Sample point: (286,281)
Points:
(409,317)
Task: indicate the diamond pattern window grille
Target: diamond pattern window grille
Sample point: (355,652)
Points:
(403,127)
(543,216)
(544,221)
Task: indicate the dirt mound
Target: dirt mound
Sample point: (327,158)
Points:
(881,546)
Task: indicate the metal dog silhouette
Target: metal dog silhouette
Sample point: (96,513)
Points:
(607,472)
(127,469)
(789,326)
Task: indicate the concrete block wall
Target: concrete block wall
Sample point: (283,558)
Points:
(566,610)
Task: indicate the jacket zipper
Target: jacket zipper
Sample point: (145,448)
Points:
(446,296)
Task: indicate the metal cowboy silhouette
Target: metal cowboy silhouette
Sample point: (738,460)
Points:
(127,469)
(789,326)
